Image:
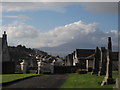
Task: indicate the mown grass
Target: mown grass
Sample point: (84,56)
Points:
(11,77)
(86,81)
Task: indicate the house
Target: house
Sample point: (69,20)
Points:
(80,57)
(85,59)
(89,61)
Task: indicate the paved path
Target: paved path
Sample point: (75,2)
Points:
(43,81)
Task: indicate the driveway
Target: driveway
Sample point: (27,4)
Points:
(43,81)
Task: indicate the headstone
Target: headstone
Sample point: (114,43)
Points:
(96,61)
(24,65)
(52,68)
(39,66)
(103,61)
(108,78)
(8,66)
(87,65)
(5,52)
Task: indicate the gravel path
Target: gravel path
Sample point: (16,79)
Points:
(43,81)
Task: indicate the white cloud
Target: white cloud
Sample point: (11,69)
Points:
(65,34)
(18,30)
(22,6)
(96,7)
(85,34)
(23,17)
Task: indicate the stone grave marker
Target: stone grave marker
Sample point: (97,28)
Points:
(24,65)
(103,61)
(96,61)
(108,78)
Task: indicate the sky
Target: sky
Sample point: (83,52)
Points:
(53,24)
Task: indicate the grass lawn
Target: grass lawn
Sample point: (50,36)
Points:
(11,77)
(86,81)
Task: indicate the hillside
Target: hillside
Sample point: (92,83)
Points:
(19,52)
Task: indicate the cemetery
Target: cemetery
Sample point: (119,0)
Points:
(87,81)
(100,64)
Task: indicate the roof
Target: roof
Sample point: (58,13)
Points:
(114,56)
(83,53)
(91,57)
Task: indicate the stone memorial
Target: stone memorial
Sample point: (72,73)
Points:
(108,78)
(24,66)
(45,67)
(52,68)
(8,66)
(39,66)
(96,61)
(103,61)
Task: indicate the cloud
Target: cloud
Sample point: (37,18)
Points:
(95,7)
(64,34)
(23,6)
(19,17)
(87,35)
(101,7)
(60,1)
(18,30)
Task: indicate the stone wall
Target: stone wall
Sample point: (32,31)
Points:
(65,69)
(8,67)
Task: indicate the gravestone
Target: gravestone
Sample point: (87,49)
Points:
(52,68)
(103,61)
(39,66)
(5,52)
(45,67)
(24,66)
(96,61)
(108,78)
(8,66)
